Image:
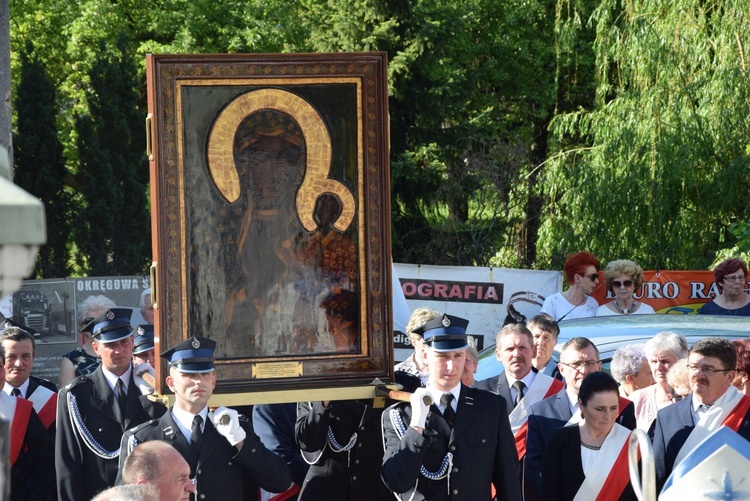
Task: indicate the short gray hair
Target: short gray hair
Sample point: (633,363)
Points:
(471,350)
(627,360)
(667,341)
(142,301)
(94,303)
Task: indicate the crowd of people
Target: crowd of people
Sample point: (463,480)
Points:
(541,429)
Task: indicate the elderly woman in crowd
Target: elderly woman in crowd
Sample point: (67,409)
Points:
(414,364)
(663,351)
(742,380)
(83,361)
(678,378)
(582,273)
(545,331)
(472,361)
(623,278)
(630,368)
(731,279)
(578,459)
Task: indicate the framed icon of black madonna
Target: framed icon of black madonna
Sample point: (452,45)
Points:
(270,215)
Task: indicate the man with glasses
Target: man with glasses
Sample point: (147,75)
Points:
(579,357)
(714,402)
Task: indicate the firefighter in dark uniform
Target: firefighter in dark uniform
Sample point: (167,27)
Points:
(450,442)
(227,459)
(342,442)
(94,411)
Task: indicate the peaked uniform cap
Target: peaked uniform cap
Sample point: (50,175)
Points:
(143,339)
(194,355)
(112,325)
(445,333)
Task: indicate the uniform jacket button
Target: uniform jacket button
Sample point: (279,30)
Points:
(455,492)
(252,451)
(453,447)
(199,471)
(455,469)
(202,496)
(354,478)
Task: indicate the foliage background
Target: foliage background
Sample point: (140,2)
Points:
(521,130)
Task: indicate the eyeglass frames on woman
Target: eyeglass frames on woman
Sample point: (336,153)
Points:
(617,284)
(593,277)
(733,279)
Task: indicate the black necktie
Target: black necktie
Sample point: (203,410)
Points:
(196,434)
(121,396)
(16,392)
(519,387)
(449,414)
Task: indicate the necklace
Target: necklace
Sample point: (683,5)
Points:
(625,311)
(593,445)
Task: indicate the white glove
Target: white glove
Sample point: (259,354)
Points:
(419,409)
(144,367)
(227,423)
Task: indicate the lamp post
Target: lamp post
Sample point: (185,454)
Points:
(23,230)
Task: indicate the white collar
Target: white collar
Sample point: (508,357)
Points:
(436,394)
(527,379)
(185,419)
(112,378)
(24,388)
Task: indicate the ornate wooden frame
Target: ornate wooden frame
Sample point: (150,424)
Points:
(271,215)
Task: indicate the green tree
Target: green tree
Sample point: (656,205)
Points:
(660,169)
(39,162)
(114,218)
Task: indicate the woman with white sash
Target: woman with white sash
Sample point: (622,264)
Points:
(589,460)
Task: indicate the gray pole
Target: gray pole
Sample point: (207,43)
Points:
(4,460)
(6,114)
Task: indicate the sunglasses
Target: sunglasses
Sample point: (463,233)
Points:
(617,284)
(593,277)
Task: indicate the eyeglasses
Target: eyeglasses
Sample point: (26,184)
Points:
(708,370)
(617,284)
(593,277)
(733,279)
(589,364)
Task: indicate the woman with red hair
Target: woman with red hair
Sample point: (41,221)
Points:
(581,271)
(731,280)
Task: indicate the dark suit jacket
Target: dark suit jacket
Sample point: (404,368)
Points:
(499,386)
(32,476)
(352,475)
(544,418)
(672,426)
(222,472)
(482,444)
(562,468)
(274,424)
(80,472)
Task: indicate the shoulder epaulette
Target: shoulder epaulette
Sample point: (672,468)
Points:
(77,382)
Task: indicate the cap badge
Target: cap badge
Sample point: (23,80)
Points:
(195,344)
(110,315)
(141,331)
(446,322)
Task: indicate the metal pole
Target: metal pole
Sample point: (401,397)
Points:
(4,460)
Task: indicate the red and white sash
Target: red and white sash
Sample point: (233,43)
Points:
(45,405)
(728,410)
(290,493)
(542,387)
(17,411)
(609,476)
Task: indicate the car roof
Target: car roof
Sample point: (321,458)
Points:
(610,332)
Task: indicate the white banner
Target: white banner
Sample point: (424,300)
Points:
(482,295)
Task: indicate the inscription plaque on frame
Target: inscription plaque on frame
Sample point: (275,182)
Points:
(270,215)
